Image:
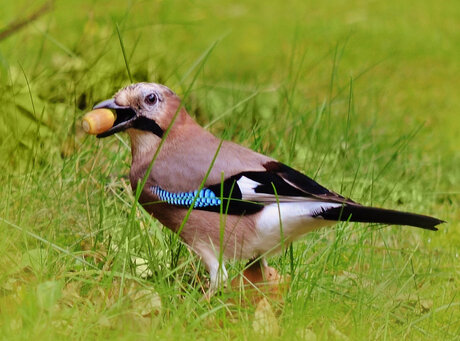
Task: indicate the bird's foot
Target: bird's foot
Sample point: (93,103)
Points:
(260,280)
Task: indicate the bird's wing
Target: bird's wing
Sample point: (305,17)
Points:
(298,182)
(249,191)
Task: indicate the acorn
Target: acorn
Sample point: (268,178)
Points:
(98,121)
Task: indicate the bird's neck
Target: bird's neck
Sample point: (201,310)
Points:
(179,143)
(143,145)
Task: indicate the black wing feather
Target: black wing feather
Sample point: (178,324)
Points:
(232,202)
(299,180)
(289,182)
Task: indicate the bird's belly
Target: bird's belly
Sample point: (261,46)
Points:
(280,224)
(203,230)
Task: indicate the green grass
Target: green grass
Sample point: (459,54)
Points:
(362,96)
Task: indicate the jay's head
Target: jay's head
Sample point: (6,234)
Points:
(143,106)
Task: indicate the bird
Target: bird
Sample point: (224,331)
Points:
(227,202)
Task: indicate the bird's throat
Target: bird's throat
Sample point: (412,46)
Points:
(143,145)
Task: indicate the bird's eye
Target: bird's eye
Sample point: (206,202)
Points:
(151,99)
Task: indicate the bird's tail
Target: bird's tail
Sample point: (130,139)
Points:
(365,214)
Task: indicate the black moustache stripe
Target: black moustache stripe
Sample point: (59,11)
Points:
(146,124)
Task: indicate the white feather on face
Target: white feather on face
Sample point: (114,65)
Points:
(136,96)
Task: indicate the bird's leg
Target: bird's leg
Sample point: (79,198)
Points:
(218,275)
(217,271)
(264,262)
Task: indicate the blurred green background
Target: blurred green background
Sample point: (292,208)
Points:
(403,56)
(361,95)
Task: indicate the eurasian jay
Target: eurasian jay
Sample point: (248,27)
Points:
(245,205)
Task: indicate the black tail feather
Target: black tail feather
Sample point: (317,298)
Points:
(364,214)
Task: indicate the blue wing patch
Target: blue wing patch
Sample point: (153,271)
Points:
(205,198)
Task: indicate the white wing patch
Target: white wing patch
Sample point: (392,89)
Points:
(248,186)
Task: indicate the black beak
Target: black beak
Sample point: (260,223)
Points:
(124,120)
